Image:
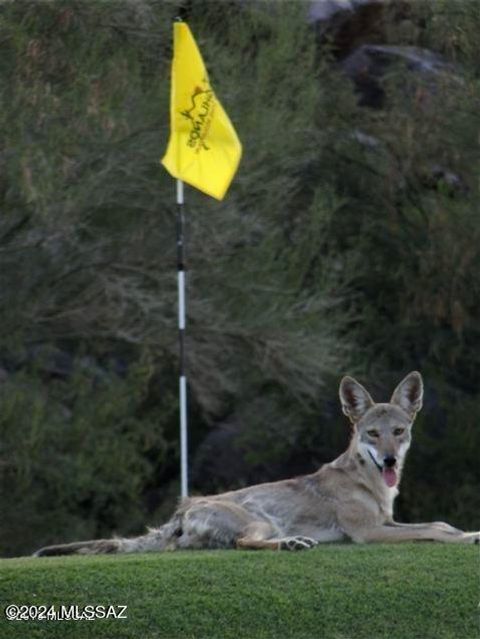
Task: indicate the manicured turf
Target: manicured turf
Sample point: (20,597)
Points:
(335,591)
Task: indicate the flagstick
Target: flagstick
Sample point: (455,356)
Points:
(181,333)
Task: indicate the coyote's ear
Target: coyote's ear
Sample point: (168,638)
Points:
(354,398)
(409,394)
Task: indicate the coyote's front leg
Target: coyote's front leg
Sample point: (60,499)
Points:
(262,536)
(437,531)
(285,543)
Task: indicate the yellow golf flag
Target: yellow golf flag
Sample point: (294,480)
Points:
(203,149)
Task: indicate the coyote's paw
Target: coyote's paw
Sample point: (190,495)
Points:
(471,537)
(297,543)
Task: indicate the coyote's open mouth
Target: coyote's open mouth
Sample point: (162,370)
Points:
(389,476)
(389,473)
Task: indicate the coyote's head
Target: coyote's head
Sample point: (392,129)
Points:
(382,432)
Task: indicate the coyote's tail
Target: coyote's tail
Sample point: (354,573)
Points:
(156,539)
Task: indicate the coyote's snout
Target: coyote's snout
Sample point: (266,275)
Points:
(349,498)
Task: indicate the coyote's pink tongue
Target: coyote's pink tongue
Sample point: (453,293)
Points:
(389,476)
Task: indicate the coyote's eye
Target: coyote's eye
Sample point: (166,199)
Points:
(398,431)
(373,433)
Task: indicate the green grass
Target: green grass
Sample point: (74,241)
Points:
(335,591)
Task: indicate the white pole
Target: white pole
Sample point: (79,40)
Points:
(181,332)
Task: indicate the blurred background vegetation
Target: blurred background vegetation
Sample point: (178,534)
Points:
(348,243)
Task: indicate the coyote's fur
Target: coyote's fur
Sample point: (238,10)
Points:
(349,498)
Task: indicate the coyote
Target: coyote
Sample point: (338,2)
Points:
(350,498)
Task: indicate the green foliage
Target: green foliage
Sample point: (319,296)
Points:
(76,456)
(86,179)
